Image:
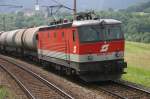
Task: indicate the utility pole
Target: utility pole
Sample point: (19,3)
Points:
(75,9)
(37,7)
(50,9)
(37,2)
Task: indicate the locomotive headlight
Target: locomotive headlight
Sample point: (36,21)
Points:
(119,54)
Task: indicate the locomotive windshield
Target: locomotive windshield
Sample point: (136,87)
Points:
(98,33)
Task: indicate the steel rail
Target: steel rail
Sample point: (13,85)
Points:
(28,93)
(127,86)
(131,86)
(49,84)
(113,94)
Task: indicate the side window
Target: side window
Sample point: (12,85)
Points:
(55,35)
(48,34)
(63,35)
(74,35)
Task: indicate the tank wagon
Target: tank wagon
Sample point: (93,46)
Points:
(21,41)
(91,49)
(1,32)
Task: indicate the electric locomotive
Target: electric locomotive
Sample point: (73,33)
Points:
(92,49)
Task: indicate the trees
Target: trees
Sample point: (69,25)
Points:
(136,26)
(16,21)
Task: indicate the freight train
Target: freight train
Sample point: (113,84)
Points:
(91,49)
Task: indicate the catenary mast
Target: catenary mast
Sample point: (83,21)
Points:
(75,9)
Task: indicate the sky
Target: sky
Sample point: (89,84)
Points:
(81,4)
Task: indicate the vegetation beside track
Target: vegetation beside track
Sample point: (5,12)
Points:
(5,93)
(138,57)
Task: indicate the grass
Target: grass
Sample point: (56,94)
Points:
(3,92)
(138,58)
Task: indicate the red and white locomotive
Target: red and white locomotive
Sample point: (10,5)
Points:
(91,49)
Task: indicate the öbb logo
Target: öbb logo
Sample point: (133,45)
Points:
(104,48)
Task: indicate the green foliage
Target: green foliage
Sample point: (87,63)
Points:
(138,75)
(16,21)
(141,7)
(136,26)
(3,93)
(137,56)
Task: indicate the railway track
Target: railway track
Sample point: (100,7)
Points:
(34,86)
(122,90)
(116,90)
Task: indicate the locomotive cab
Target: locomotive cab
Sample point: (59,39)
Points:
(101,50)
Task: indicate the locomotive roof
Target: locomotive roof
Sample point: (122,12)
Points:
(83,23)
(57,26)
(95,22)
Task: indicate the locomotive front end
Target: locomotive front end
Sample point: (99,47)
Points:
(101,50)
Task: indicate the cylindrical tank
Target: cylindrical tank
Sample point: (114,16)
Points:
(29,38)
(1,32)
(18,38)
(10,39)
(0,37)
(3,38)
